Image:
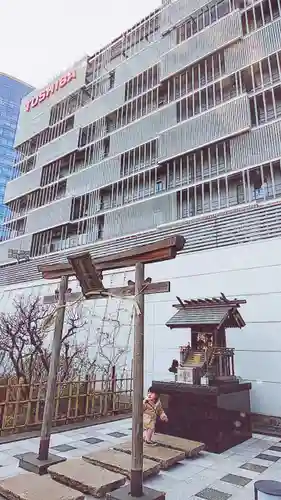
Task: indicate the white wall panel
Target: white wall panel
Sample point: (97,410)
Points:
(23,185)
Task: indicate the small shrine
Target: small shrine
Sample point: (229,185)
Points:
(206,402)
(207,360)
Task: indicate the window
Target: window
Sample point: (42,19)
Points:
(223,8)
(200,20)
(266,106)
(141,83)
(240,194)
(246,77)
(158,186)
(205,99)
(260,15)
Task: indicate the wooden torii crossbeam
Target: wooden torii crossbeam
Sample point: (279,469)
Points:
(166,249)
(89,275)
(120,291)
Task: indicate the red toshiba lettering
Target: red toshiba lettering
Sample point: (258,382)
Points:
(71,76)
(50,90)
(35,101)
(44,94)
(62,82)
(28,106)
(67,78)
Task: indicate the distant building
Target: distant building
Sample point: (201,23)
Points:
(11,93)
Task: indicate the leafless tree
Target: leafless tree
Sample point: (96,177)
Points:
(109,352)
(25,342)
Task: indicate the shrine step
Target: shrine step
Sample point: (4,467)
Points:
(119,462)
(87,478)
(166,457)
(34,487)
(189,448)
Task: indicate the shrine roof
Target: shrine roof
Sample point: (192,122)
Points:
(216,311)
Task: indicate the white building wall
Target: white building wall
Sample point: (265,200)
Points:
(249,271)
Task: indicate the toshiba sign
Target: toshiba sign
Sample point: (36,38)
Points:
(45,94)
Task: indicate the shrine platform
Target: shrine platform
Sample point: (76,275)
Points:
(218,416)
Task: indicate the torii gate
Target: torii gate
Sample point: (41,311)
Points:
(89,275)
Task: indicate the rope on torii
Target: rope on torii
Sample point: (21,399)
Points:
(50,319)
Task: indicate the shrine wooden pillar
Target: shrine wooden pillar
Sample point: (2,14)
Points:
(232,365)
(215,338)
(193,339)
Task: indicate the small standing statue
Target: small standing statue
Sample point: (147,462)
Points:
(174,368)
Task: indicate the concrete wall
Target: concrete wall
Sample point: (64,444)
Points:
(250,271)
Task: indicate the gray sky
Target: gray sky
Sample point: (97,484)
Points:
(39,38)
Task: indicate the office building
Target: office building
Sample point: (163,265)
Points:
(174,127)
(11,93)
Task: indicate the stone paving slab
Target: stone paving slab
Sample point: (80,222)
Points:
(190,448)
(89,479)
(165,456)
(119,462)
(33,487)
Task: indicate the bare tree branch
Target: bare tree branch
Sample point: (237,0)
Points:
(25,343)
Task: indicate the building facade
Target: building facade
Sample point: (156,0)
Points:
(11,93)
(174,127)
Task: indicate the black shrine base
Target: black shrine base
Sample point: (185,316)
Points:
(218,416)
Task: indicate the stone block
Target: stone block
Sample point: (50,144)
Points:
(166,457)
(34,487)
(119,462)
(190,448)
(87,478)
(124,494)
(29,461)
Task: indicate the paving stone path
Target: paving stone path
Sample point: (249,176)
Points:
(230,475)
